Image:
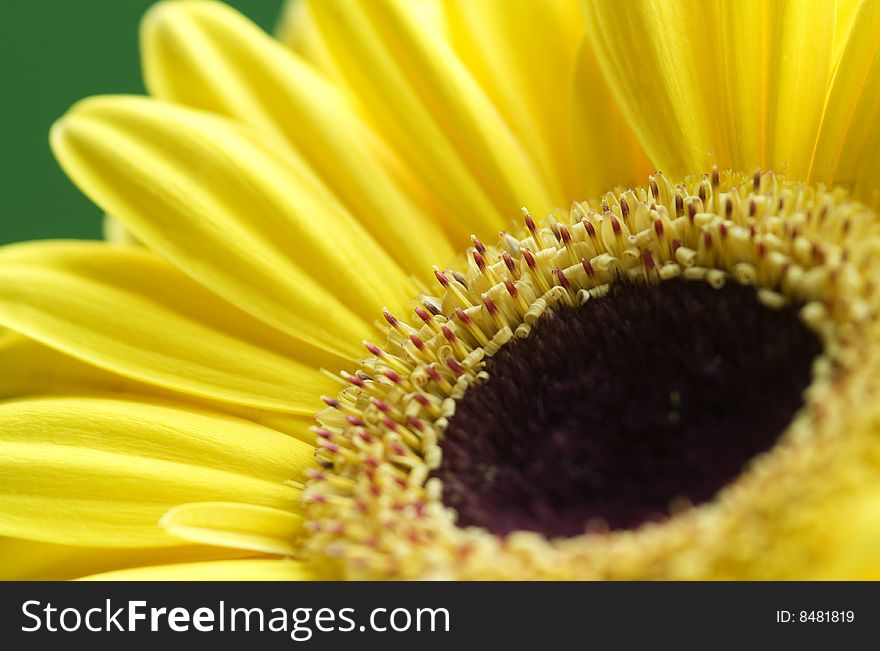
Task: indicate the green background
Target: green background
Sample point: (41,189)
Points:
(52,53)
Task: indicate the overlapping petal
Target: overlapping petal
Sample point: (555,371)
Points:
(848,147)
(606,150)
(243,216)
(30,369)
(718,82)
(523,54)
(128,311)
(102,472)
(230,524)
(296,29)
(205,55)
(235,570)
(427,104)
(29,560)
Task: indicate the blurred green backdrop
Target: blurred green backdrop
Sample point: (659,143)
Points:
(52,53)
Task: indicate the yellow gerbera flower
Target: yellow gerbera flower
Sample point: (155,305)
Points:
(677,378)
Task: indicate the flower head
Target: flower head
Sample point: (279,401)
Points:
(642,375)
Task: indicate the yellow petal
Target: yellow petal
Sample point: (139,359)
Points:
(127,310)
(240,570)
(797,85)
(242,526)
(29,560)
(523,55)
(30,369)
(237,212)
(847,10)
(116,233)
(740,83)
(297,30)
(653,61)
(102,472)
(608,154)
(854,530)
(430,108)
(849,141)
(208,56)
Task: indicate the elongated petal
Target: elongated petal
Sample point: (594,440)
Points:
(127,310)
(116,233)
(850,533)
(704,83)
(608,154)
(30,369)
(238,570)
(654,70)
(206,55)
(102,472)
(297,30)
(847,10)
(431,109)
(800,72)
(29,560)
(242,526)
(523,54)
(236,212)
(848,149)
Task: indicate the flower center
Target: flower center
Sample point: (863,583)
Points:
(613,411)
(596,370)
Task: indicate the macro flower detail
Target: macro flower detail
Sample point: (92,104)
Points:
(380,500)
(402,295)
